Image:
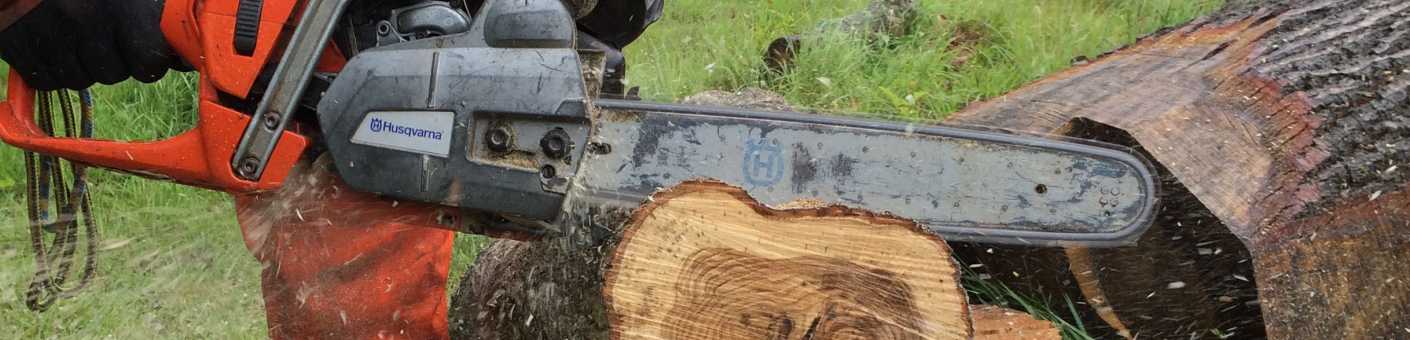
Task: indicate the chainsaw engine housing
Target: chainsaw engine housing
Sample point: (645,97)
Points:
(503,104)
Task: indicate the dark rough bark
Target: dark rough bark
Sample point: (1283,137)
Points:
(1353,64)
(1284,121)
(547,289)
(1343,275)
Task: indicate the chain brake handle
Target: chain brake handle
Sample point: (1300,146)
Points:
(198,157)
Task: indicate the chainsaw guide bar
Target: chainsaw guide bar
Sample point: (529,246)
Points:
(964,184)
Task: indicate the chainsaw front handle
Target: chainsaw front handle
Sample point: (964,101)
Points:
(199,157)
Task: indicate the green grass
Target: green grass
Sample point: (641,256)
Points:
(1061,310)
(177,267)
(703,45)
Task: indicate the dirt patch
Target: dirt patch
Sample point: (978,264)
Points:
(881,18)
(965,38)
(754,98)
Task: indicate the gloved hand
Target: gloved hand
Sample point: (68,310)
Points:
(75,43)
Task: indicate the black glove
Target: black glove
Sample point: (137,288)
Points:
(75,43)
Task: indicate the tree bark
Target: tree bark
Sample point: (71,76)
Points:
(1279,127)
(545,289)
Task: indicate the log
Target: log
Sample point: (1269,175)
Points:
(705,261)
(1279,127)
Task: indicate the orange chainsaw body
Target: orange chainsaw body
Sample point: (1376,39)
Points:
(202,33)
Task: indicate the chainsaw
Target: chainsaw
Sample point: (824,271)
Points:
(508,110)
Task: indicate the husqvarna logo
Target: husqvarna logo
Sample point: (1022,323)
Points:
(423,132)
(378,125)
(763,163)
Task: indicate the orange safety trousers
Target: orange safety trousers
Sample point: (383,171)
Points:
(339,264)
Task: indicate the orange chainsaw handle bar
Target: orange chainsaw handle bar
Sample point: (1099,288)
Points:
(199,157)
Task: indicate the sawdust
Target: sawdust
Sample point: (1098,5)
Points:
(805,203)
(514,158)
(306,182)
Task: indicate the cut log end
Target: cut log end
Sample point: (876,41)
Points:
(704,261)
